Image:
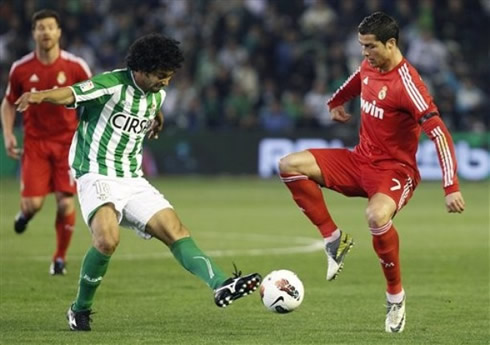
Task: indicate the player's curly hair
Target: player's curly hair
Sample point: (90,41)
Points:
(380,25)
(154,52)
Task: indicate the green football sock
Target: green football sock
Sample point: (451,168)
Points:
(94,267)
(195,261)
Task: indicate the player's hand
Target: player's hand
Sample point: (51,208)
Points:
(156,126)
(455,202)
(11,146)
(339,114)
(28,98)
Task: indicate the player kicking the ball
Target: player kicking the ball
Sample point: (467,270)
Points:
(120,108)
(395,106)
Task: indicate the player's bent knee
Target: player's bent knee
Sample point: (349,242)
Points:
(377,216)
(32,205)
(65,205)
(292,163)
(106,244)
(105,232)
(302,163)
(285,166)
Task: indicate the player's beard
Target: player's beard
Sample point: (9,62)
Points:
(156,88)
(47,45)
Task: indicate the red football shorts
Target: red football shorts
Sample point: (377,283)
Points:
(352,175)
(45,168)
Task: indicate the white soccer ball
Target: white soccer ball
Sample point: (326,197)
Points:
(282,291)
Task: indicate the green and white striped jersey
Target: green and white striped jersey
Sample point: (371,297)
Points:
(116,116)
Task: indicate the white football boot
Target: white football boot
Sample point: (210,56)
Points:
(395,317)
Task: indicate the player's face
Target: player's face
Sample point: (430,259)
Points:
(46,33)
(155,81)
(376,53)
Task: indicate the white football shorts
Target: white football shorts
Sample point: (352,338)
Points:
(134,199)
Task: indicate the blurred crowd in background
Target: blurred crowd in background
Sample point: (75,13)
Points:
(271,64)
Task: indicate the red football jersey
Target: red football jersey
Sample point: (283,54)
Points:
(47,121)
(393,107)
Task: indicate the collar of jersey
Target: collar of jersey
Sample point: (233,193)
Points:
(131,76)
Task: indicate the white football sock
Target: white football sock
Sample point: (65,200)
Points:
(333,237)
(396,298)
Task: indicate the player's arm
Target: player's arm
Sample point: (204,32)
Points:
(7,113)
(156,126)
(416,100)
(60,96)
(437,131)
(8,119)
(350,89)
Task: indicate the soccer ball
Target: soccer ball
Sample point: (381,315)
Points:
(282,291)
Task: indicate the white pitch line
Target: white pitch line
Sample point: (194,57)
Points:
(312,247)
(301,245)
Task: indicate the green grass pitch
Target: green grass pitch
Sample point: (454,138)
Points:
(147,298)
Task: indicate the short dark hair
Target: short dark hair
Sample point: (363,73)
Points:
(154,52)
(380,25)
(46,13)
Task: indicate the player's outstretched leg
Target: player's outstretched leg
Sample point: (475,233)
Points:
(236,287)
(225,290)
(336,252)
(395,316)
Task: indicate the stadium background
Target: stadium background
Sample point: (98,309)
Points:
(264,68)
(256,77)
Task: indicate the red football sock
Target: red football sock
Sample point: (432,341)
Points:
(309,197)
(65,225)
(385,243)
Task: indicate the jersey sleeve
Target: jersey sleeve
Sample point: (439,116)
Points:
(415,97)
(437,131)
(417,101)
(349,89)
(14,88)
(93,90)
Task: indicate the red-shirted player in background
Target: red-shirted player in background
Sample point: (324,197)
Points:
(48,130)
(395,106)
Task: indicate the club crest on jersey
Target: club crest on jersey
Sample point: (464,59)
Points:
(130,124)
(61,78)
(382,92)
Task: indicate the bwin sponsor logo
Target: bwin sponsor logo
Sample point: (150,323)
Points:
(130,124)
(371,109)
